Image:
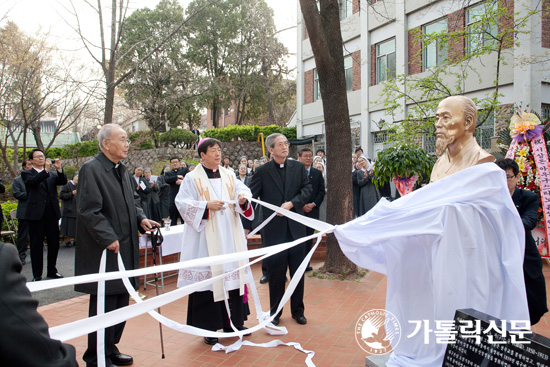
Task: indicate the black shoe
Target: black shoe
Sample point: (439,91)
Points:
(36,279)
(275,321)
(263,279)
(57,276)
(300,319)
(239,328)
(210,341)
(121,359)
(309,268)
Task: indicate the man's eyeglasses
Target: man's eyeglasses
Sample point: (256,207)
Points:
(510,177)
(283,143)
(122,141)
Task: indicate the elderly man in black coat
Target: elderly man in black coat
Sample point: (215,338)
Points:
(527,204)
(284,183)
(24,337)
(43,211)
(108,217)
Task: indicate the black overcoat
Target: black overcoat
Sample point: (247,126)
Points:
(68,200)
(527,204)
(268,186)
(107,210)
(41,190)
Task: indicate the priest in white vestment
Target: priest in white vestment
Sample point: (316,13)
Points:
(456,243)
(213,227)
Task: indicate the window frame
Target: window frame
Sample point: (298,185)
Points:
(438,48)
(349,69)
(485,39)
(316,88)
(378,57)
(345,9)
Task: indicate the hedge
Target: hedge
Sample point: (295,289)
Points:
(247,132)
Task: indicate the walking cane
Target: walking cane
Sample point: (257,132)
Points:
(156,241)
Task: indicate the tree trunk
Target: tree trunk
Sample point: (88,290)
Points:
(326,42)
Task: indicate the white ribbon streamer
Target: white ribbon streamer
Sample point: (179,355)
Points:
(101,321)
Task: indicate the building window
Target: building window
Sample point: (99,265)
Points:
(435,52)
(316,89)
(485,132)
(346,8)
(348,69)
(385,61)
(481,30)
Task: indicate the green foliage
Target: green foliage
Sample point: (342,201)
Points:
(141,140)
(404,161)
(247,132)
(7,207)
(178,137)
(56,152)
(69,171)
(81,149)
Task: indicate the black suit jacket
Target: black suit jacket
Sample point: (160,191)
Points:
(24,337)
(268,186)
(317,191)
(20,193)
(41,189)
(171,177)
(527,204)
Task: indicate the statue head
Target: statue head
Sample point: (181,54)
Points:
(456,119)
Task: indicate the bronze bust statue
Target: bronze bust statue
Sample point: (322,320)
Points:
(456,145)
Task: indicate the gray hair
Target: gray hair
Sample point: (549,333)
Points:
(105,132)
(242,164)
(147,169)
(270,140)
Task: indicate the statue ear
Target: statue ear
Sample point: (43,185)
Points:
(468,122)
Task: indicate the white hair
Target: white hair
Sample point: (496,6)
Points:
(105,132)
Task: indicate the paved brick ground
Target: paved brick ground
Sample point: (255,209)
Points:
(332,308)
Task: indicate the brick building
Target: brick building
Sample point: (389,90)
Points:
(380,42)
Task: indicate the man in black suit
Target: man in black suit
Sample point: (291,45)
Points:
(43,211)
(527,204)
(284,183)
(20,193)
(311,209)
(174,178)
(24,337)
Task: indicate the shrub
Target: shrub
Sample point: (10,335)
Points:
(178,137)
(247,132)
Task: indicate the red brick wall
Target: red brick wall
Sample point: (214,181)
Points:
(414,48)
(507,22)
(356,71)
(356,6)
(455,23)
(308,86)
(546,23)
(373,65)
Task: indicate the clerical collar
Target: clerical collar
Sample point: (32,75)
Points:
(211,173)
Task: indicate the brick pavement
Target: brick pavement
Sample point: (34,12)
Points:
(332,308)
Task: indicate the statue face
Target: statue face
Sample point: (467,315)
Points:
(449,125)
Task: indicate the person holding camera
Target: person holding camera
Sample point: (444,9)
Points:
(42,211)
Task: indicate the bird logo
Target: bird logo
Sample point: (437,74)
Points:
(377,331)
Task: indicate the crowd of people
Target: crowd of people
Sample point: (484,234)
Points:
(105,204)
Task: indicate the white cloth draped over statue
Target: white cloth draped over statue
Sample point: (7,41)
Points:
(456,243)
(194,245)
